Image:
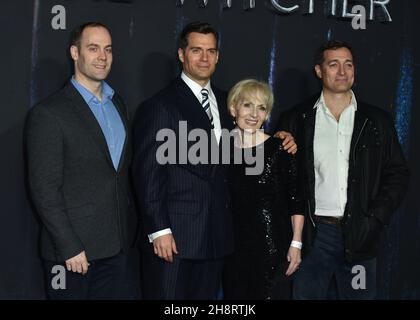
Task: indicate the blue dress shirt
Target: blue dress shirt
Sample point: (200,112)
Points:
(108,118)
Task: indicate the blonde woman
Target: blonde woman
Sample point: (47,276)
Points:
(268,218)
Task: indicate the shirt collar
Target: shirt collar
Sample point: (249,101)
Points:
(88,96)
(321,101)
(194,86)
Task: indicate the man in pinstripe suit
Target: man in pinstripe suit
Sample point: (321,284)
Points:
(186,219)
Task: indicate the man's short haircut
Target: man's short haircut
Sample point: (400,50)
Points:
(76,33)
(330,45)
(200,27)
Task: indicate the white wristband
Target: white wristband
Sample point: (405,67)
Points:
(296,244)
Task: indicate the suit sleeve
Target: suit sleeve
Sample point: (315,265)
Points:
(394,177)
(150,177)
(45,155)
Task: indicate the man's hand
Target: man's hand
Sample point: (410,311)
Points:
(164,247)
(293,256)
(289,143)
(78,263)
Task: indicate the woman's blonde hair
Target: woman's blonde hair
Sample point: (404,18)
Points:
(249,89)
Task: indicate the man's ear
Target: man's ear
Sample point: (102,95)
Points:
(74,52)
(181,55)
(318,71)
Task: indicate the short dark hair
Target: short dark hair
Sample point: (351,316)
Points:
(196,26)
(330,45)
(76,33)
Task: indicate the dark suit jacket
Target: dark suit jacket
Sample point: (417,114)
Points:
(83,202)
(191,199)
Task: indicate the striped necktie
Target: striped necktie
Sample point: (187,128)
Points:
(206,105)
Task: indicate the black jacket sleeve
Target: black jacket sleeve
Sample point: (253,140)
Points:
(394,177)
(45,158)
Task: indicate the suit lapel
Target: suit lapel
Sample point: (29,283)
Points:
(88,119)
(226,123)
(190,108)
(121,111)
(192,111)
(225,118)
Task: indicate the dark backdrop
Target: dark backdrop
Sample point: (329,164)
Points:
(259,43)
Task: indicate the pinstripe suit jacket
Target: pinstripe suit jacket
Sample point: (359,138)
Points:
(191,199)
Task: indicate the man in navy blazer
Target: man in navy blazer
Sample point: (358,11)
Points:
(184,205)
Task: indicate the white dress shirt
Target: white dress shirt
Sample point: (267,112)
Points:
(332,141)
(196,89)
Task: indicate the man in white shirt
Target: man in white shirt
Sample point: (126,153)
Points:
(185,207)
(355,176)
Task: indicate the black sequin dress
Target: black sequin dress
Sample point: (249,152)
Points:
(262,206)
